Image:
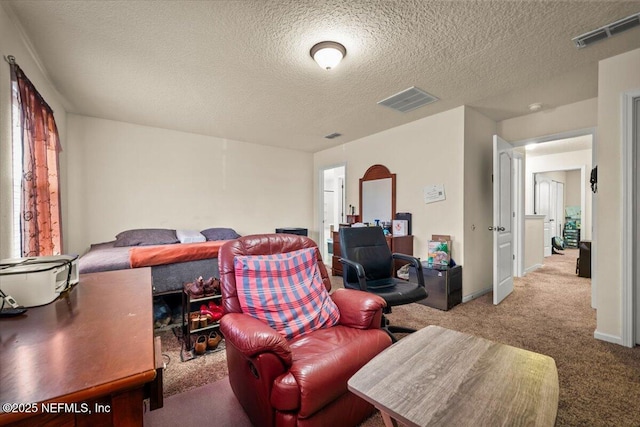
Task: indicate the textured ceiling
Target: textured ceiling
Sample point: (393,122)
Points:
(241,69)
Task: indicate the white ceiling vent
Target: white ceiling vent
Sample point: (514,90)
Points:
(408,100)
(607,31)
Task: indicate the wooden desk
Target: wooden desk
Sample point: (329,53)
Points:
(93,347)
(436,376)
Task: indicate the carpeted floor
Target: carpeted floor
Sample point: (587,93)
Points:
(183,376)
(549,312)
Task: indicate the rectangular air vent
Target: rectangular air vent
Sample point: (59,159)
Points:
(607,31)
(408,100)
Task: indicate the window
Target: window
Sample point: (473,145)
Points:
(36,196)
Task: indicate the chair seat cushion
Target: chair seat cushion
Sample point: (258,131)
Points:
(323,362)
(401,292)
(285,291)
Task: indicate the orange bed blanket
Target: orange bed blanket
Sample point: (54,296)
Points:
(147,256)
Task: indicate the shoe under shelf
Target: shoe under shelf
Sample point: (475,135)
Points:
(189,354)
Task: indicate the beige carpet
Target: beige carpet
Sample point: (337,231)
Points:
(183,376)
(549,312)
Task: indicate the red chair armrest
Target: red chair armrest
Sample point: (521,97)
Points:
(252,337)
(358,309)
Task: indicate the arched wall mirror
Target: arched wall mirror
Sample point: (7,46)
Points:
(377,194)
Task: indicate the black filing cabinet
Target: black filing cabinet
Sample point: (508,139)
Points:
(443,284)
(583,265)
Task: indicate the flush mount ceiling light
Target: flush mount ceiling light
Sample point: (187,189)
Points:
(328,54)
(535,107)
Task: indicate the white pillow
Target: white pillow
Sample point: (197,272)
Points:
(190,236)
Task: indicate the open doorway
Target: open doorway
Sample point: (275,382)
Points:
(557,191)
(333,207)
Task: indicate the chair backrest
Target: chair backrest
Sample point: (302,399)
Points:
(259,244)
(367,246)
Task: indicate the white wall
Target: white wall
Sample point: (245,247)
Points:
(579,115)
(478,202)
(533,242)
(427,151)
(124,176)
(11,43)
(616,75)
(573,187)
(430,151)
(562,162)
(566,118)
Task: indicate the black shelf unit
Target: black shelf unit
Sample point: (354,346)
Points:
(188,305)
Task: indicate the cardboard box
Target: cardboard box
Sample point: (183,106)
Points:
(400,227)
(439,249)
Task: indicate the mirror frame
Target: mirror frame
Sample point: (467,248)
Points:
(379,172)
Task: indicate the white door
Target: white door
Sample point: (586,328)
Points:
(503,212)
(542,206)
(556,208)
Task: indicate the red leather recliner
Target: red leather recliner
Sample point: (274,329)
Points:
(303,381)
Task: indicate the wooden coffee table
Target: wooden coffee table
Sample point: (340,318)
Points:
(84,359)
(437,376)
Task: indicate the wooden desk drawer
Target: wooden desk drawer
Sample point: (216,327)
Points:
(336,266)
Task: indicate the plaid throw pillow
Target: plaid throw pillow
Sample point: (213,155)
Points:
(285,291)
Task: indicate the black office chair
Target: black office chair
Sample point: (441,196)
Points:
(368,266)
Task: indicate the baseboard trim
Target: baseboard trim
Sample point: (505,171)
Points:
(532,268)
(607,337)
(475,295)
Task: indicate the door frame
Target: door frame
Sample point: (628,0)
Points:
(518,225)
(629,220)
(322,238)
(594,218)
(538,182)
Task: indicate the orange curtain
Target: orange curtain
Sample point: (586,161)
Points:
(40,220)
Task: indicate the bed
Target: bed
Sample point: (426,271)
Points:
(173,261)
